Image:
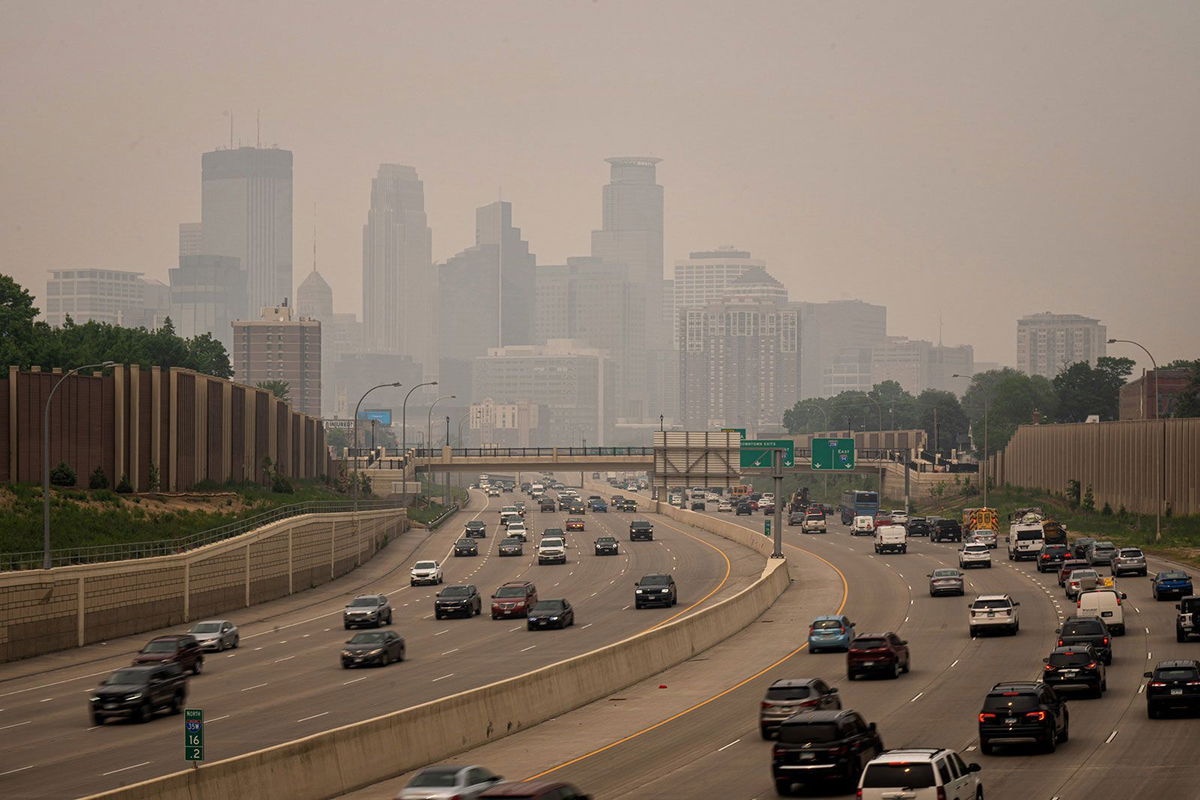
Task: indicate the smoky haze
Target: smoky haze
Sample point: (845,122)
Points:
(968,162)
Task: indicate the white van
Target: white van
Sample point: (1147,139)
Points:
(1105,604)
(891,539)
(1025,541)
(862,526)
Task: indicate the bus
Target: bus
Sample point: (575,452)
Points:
(858,503)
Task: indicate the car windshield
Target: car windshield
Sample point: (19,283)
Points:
(455,591)
(605,540)
(868,644)
(991,604)
(899,775)
(366,638)
(439,777)
(788,692)
(125,676)
(1176,674)
(827,624)
(510,541)
(159,647)
(1002,702)
(475,524)
(466,543)
(552,543)
(656,580)
(364,601)
(815,732)
(552,532)
(548,606)
(1026,536)
(1084,574)
(425,565)
(510,591)
(1074,658)
(206,627)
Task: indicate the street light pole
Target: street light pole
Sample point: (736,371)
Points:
(429,428)
(987,471)
(357,406)
(404,439)
(1162,462)
(46,458)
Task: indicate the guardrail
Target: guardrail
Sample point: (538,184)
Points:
(445,515)
(67,556)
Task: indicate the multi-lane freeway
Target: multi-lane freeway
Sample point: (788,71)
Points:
(285,680)
(692,732)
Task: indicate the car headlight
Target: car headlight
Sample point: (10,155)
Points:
(95,698)
(347,652)
(376,651)
(639,591)
(553,618)
(135,696)
(664,591)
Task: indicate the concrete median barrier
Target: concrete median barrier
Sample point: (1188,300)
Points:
(357,755)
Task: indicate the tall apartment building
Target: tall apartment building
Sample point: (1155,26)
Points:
(117,297)
(839,340)
(704,276)
(208,293)
(1047,343)
(281,346)
(918,365)
(399,284)
(571,382)
(246,213)
(739,356)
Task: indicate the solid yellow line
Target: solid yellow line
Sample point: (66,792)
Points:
(718,696)
(717,588)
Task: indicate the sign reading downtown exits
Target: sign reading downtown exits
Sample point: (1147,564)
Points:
(757,452)
(193,734)
(832,454)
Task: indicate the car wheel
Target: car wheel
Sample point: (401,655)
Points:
(176,703)
(403,654)
(346,626)
(1151,711)
(528,627)
(197,666)
(495,616)
(220,645)
(437,615)
(907,665)
(1051,743)
(986,747)
(1066,732)
(236,641)
(143,713)
(979,793)
(974,632)
(896,670)
(1180,636)
(385,659)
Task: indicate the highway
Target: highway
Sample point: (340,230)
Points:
(285,681)
(699,737)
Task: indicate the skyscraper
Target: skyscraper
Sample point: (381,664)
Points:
(246,213)
(207,294)
(281,346)
(1047,343)
(399,284)
(839,341)
(704,276)
(191,242)
(115,296)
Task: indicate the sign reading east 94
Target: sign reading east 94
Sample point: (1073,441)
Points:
(829,453)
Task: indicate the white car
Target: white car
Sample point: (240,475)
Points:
(552,551)
(675,500)
(975,555)
(862,525)
(724,505)
(425,572)
(767,499)
(919,773)
(509,513)
(517,528)
(899,517)
(994,612)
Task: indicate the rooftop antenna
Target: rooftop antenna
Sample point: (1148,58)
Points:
(230,130)
(258,128)
(314,236)
(939,329)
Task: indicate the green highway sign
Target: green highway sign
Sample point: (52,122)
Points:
(757,452)
(832,454)
(193,734)
(766,527)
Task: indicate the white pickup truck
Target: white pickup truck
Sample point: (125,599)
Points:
(891,539)
(552,551)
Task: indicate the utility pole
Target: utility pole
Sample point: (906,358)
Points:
(777,474)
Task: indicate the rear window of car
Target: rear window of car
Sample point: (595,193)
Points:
(945,573)
(1131,552)
(899,775)
(1174,576)
(1012,701)
(1176,674)
(1025,536)
(1082,626)
(1069,659)
(867,644)
(991,604)
(815,732)
(788,692)
(827,624)
(1054,548)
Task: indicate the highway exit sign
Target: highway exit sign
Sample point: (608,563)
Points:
(757,452)
(193,734)
(830,453)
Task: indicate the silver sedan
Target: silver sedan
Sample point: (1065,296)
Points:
(946,580)
(449,781)
(215,634)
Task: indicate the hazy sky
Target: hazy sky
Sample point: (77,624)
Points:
(977,161)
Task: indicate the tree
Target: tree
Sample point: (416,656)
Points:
(1012,398)
(279,388)
(952,424)
(1188,402)
(17,314)
(208,355)
(1083,390)
(62,475)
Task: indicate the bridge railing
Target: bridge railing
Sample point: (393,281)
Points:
(533,452)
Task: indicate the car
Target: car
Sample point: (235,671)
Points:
(425,572)
(577,508)
(508,513)
(1101,553)
(535,790)
(475,529)
(788,696)
(1017,712)
(550,614)
(628,504)
(564,502)
(725,505)
(899,517)
(1128,561)
(1105,604)
(919,526)
(993,612)
(946,530)
(985,536)
(215,634)
(946,580)
(697,504)
(178,648)
(1171,583)
(657,589)
(1081,580)
(1087,630)
(877,653)
(1080,547)
(1075,667)
(457,599)
(574,524)
(466,547)
(372,647)
(552,551)
(767,508)
(641,530)
(1051,556)
(862,525)
(606,546)
(975,555)
(675,500)
(517,529)
(822,746)
(137,692)
(555,533)
(743,509)
(1187,618)
(452,782)
(372,610)
(493,491)
(831,631)
(1068,566)
(795,518)
(513,599)
(546,504)
(814,522)
(511,546)
(598,507)
(920,773)
(1173,684)
(891,539)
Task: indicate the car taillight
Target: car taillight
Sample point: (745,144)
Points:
(811,628)
(984,716)
(1049,667)
(765,704)
(1060,642)
(1038,715)
(1092,665)
(810,704)
(1105,640)
(1158,684)
(1193,683)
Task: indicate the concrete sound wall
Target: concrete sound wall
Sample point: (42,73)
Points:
(42,611)
(353,756)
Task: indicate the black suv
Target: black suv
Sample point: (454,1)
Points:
(607,546)
(1087,630)
(946,530)
(1051,557)
(461,598)
(1173,684)
(476,529)
(1075,667)
(512,546)
(138,691)
(919,526)
(367,609)
(1020,712)
(655,590)
(823,745)
(641,530)
(466,547)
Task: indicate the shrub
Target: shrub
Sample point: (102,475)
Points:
(281,485)
(152,483)
(1107,510)
(98,480)
(1073,493)
(124,486)
(1089,500)
(62,475)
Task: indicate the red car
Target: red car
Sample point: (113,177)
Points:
(514,599)
(181,649)
(574,524)
(883,653)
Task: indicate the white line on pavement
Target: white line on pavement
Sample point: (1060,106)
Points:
(523,649)
(122,769)
(15,725)
(255,686)
(726,747)
(18,769)
(448,652)
(356,680)
(285,658)
(314,716)
(439,633)
(435,680)
(1111,736)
